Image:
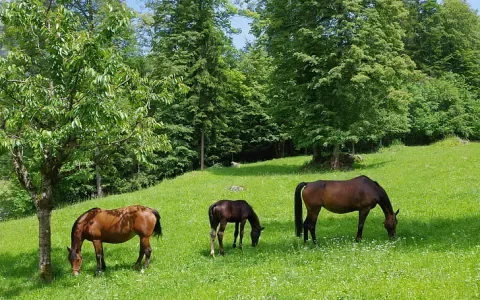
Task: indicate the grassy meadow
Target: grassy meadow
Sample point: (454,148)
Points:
(436,255)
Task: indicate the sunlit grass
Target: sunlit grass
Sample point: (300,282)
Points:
(437,254)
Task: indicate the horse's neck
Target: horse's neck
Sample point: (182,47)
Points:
(386,207)
(253,219)
(77,240)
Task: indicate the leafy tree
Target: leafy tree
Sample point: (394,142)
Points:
(65,90)
(339,71)
(441,107)
(258,130)
(444,38)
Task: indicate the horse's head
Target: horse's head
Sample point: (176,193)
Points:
(256,235)
(75,259)
(391,224)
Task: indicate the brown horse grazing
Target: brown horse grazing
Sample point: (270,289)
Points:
(342,196)
(233,211)
(113,226)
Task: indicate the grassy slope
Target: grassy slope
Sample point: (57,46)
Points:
(437,255)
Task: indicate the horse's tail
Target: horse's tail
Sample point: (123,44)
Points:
(299,208)
(158,227)
(210,213)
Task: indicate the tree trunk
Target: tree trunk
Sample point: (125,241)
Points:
(99,182)
(335,163)
(97,174)
(44,206)
(43,203)
(202,149)
(45,243)
(317,154)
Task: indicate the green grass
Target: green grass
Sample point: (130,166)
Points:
(437,254)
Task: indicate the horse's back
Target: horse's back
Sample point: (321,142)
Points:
(121,224)
(230,210)
(342,196)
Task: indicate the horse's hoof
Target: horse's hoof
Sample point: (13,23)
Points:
(234,246)
(98,273)
(222,253)
(212,254)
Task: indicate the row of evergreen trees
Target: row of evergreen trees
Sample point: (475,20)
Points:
(321,77)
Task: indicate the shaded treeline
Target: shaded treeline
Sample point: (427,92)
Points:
(321,78)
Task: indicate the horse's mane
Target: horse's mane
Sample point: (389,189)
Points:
(386,204)
(78,219)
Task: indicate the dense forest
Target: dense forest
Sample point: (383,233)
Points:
(98,99)
(122,100)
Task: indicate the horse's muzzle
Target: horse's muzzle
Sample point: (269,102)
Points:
(75,273)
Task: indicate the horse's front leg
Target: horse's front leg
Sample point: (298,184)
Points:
(362,216)
(220,233)
(97,244)
(242,230)
(146,250)
(235,235)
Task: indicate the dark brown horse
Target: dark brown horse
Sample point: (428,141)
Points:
(342,196)
(232,211)
(113,226)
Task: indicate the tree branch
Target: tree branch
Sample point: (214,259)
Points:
(122,140)
(22,172)
(10,95)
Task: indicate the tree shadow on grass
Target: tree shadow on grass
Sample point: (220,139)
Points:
(439,234)
(370,166)
(22,269)
(285,169)
(256,170)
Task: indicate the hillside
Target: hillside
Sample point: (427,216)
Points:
(437,254)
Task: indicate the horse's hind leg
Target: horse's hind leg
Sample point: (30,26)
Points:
(362,216)
(213,234)
(235,235)
(220,233)
(146,250)
(310,225)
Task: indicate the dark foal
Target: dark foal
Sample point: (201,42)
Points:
(113,226)
(342,196)
(231,211)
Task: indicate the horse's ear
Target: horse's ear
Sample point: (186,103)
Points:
(68,249)
(397,211)
(262,228)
